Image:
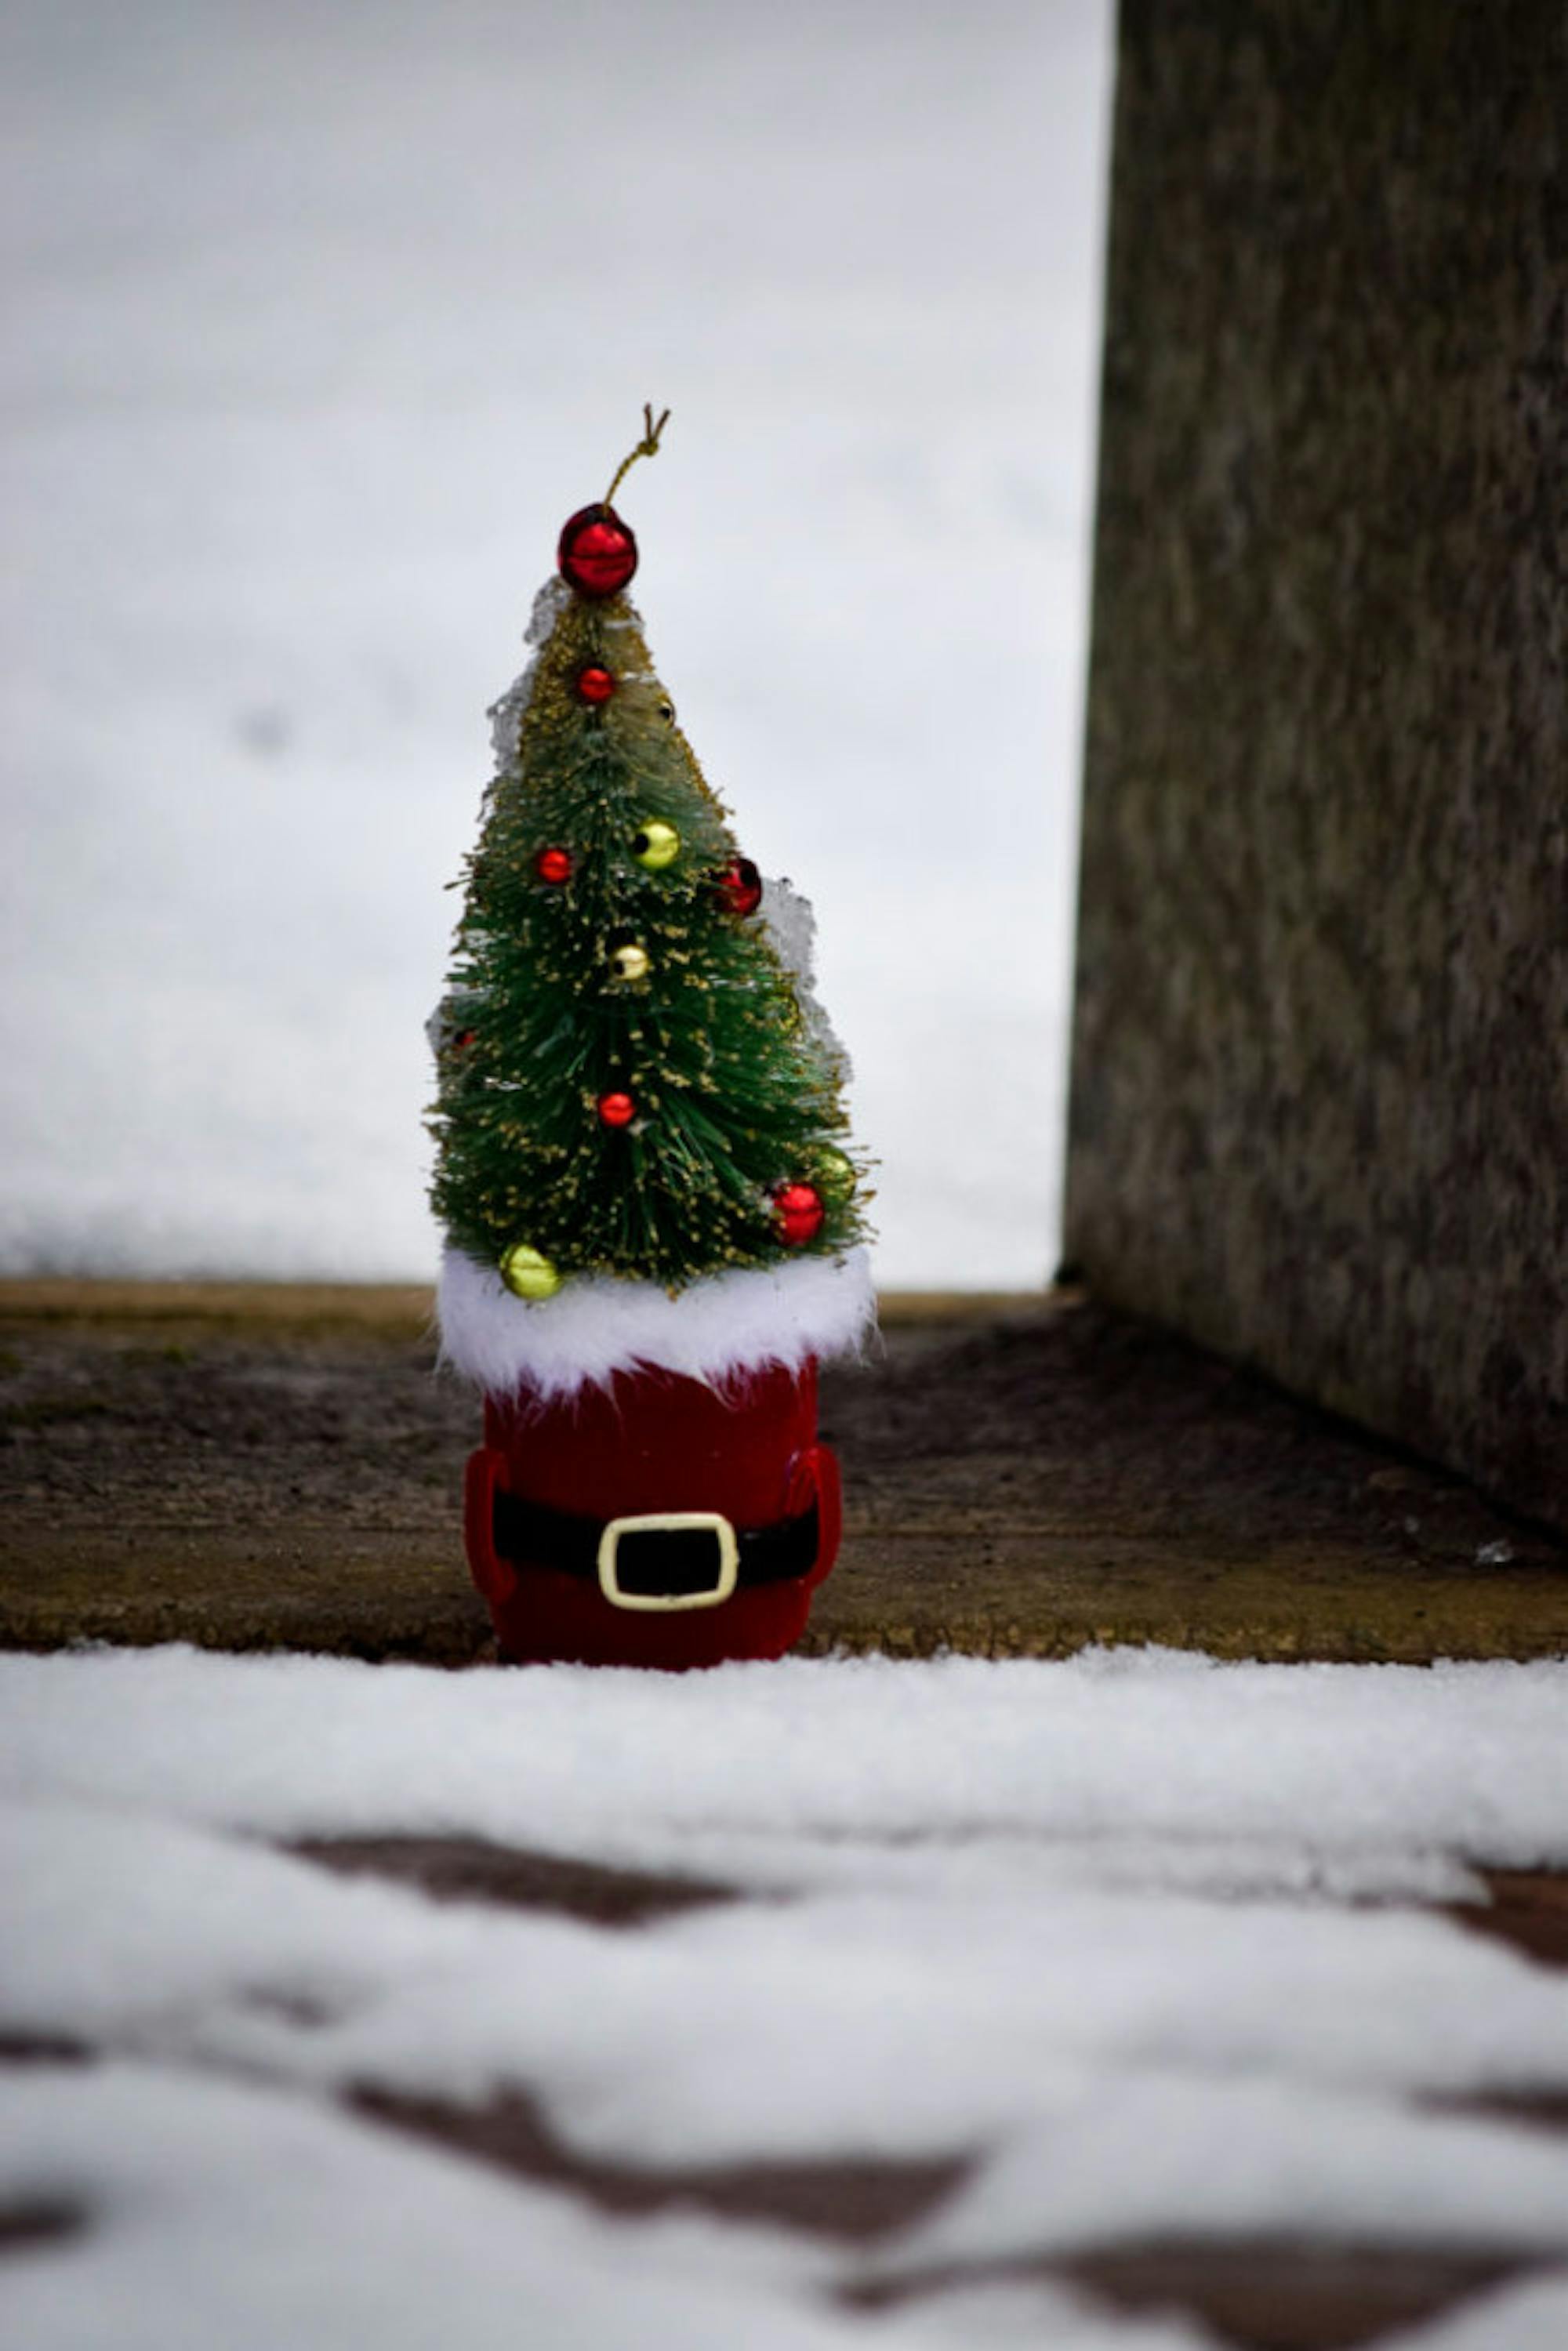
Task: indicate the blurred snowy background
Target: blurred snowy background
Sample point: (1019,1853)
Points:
(324,317)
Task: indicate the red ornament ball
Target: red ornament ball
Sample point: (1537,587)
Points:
(596,685)
(799,1212)
(553,865)
(597,554)
(616,1110)
(740,886)
(463,1039)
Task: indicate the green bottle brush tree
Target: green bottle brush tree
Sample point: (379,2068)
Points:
(636,1086)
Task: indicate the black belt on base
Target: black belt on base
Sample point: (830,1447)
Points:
(663,1559)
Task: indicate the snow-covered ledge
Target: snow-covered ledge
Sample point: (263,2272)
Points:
(717,1330)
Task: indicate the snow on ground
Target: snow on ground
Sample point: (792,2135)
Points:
(1136,1934)
(322,322)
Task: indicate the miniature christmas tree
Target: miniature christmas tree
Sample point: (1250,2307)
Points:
(630,1085)
(640,1133)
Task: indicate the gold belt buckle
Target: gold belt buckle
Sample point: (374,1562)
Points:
(711,1522)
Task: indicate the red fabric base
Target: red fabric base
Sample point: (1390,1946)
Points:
(654,1441)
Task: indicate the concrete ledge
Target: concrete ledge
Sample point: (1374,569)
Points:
(254,1466)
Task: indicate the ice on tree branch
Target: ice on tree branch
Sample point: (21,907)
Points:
(507,716)
(792,929)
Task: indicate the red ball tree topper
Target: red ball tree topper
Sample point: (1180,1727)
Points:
(597,553)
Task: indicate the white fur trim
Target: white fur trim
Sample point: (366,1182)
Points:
(716,1330)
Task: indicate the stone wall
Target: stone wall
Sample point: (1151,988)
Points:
(1320,1097)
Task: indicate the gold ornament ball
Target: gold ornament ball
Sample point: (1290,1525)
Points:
(834,1175)
(655,845)
(630,961)
(528,1274)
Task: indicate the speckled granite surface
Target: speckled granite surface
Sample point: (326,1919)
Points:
(1319,1105)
